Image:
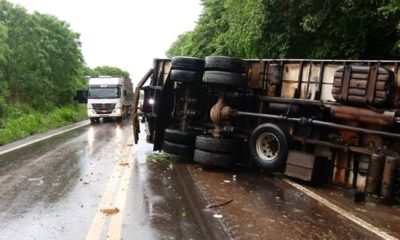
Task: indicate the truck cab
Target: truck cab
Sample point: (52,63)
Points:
(109,97)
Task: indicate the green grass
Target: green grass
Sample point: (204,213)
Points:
(24,121)
(159,158)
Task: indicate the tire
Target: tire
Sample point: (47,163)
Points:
(92,120)
(227,64)
(186,76)
(177,136)
(118,119)
(214,159)
(187,63)
(177,149)
(269,146)
(211,144)
(225,78)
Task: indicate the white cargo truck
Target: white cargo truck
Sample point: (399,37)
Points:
(109,97)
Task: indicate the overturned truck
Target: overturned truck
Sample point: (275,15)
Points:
(322,121)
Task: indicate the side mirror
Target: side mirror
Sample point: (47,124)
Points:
(81,96)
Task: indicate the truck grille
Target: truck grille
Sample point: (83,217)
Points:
(103,108)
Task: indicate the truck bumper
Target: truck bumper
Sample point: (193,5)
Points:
(93,114)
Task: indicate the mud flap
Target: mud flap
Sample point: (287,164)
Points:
(135,115)
(165,107)
(136,97)
(81,96)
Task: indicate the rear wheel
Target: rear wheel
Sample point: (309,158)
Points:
(225,78)
(177,136)
(92,120)
(214,159)
(227,64)
(187,63)
(179,142)
(177,149)
(211,144)
(186,76)
(216,151)
(269,147)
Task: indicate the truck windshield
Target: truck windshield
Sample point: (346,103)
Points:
(104,92)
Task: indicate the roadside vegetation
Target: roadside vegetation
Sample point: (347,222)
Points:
(331,29)
(158,158)
(41,67)
(25,121)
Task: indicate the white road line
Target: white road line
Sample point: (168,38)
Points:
(341,211)
(41,139)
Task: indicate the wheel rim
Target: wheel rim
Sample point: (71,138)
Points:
(267,146)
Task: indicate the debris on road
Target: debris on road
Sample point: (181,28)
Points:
(39,180)
(123,164)
(219,205)
(109,211)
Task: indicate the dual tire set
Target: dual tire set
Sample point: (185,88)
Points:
(268,146)
(192,72)
(201,148)
(215,70)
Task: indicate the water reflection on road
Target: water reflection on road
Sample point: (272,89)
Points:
(51,190)
(94,181)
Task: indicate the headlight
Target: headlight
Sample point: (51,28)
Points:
(118,105)
(89,105)
(151,101)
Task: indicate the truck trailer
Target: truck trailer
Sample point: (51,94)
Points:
(320,121)
(109,97)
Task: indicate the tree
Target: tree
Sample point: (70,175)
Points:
(4,92)
(109,71)
(294,29)
(40,58)
(60,58)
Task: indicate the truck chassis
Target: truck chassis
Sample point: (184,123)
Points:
(321,121)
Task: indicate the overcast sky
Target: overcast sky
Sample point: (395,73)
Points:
(123,33)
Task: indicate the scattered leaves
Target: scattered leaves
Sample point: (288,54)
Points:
(160,158)
(157,157)
(360,209)
(297,210)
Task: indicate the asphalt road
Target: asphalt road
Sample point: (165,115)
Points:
(94,183)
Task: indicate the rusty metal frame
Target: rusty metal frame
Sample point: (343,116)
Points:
(321,77)
(297,92)
(317,123)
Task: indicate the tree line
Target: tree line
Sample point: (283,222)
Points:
(106,71)
(342,29)
(41,67)
(41,63)
(40,59)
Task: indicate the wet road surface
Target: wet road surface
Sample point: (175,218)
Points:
(94,183)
